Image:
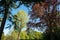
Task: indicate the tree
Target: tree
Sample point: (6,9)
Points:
(22,19)
(0,21)
(13,36)
(34,35)
(23,35)
(47,17)
(10,4)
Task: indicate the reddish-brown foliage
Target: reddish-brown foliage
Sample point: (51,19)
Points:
(39,11)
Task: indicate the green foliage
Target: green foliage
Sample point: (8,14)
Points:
(35,35)
(13,36)
(22,18)
(22,15)
(2,38)
(23,35)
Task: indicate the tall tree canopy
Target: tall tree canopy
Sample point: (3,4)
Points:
(41,9)
(21,19)
(6,7)
(47,13)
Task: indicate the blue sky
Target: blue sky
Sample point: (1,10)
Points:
(14,11)
(22,7)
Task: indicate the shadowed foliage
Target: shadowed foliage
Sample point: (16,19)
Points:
(7,5)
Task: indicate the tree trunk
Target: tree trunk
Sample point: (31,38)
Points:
(18,36)
(4,19)
(19,31)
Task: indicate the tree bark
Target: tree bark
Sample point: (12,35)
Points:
(19,31)
(4,19)
(18,36)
